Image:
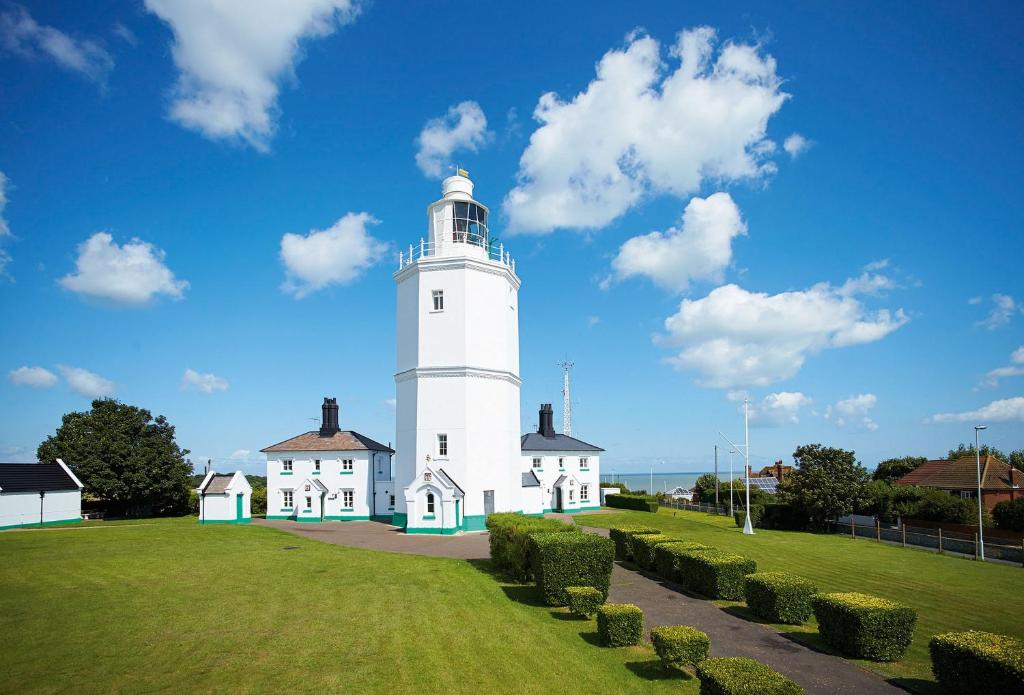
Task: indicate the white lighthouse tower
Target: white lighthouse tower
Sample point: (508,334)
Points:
(457,377)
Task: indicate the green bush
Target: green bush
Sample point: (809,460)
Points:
(509,536)
(640,503)
(784,517)
(1010,514)
(643,547)
(679,646)
(963,661)
(666,558)
(714,574)
(561,560)
(620,624)
(865,626)
(756,513)
(779,597)
(620,536)
(583,600)
(738,675)
(258,503)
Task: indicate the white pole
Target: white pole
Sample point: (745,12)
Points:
(731,450)
(977,459)
(748,528)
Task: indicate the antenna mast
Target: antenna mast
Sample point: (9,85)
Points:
(566,400)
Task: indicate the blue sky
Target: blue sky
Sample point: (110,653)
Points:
(201,214)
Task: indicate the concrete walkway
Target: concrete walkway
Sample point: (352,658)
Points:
(663,603)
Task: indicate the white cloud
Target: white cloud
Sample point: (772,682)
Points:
(36,377)
(240,455)
(464,127)
(5,231)
(699,249)
(735,338)
(796,144)
(391,402)
(1005,410)
(640,128)
(231,57)
(778,409)
(853,411)
(130,274)
(1005,308)
(337,255)
(85,383)
(1015,368)
(593,321)
(204,383)
(22,35)
(125,34)
(974,300)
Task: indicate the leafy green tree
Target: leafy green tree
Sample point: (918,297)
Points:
(259,500)
(705,487)
(125,457)
(826,484)
(891,470)
(965,450)
(1017,459)
(939,505)
(1010,515)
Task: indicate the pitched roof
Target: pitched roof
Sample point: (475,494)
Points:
(962,474)
(534,441)
(343,440)
(34,477)
(218,483)
(530,479)
(561,479)
(442,473)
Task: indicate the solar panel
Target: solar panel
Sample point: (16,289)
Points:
(767,484)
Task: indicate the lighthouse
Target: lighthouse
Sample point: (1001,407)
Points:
(457,374)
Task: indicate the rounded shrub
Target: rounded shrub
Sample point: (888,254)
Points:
(583,600)
(863,626)
(779,597)
(620,535)
(963,661)
(738,675)
(620,624)
(679,646)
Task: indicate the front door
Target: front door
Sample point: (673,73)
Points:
(488,502)
(238,507)
(458,521)
(558,499)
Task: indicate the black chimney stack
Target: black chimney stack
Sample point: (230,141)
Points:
(545,426)
(329,426)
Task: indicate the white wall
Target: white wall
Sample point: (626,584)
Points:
(550,472)
(331,475)
(217,507)
(22,508)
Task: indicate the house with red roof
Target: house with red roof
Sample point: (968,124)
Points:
(999,481)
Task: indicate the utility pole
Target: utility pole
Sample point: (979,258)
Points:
(748,528)
(977,458)
(716,475)
(566,401)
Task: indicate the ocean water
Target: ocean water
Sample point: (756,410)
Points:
(662,481)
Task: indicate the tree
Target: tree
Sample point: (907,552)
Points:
(827,484)
(705,487)
(1017,459)
(1010,515)
(259,500)
(891,470)
(125,457)
(965,450)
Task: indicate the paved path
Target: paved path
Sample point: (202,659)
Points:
(663,603)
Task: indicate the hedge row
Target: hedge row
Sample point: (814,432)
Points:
(666,558)
(774,515)
(714,573)
(643,545)
(738,675)
(621,537)
(509,540)
(560,560)
(963,662)
(779,597)
(865,626)
(640,503)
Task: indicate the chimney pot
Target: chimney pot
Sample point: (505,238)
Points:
(545,425)
(329,423)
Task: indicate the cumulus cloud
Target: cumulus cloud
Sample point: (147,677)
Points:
(735,338)
(853,412)
(5,231)
(795,145)
(22,35)
(86,383)
(36,377)
(337,255)
(1005,410)
(204,383)
(131,274)
(778,409)
(464,127)
(1015,368)
(240,455)
(231,57)
(643,126)
(700,248)
(1004,308)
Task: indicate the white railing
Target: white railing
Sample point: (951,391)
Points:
(495,252)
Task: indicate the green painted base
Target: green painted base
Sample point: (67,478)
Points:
(383,519)
(398,519)
(433,531)
(477,522)
(36,524)
(307,520)
(207,522)
(350,517)
(279,517)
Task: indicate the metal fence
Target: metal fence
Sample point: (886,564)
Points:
(936,539)
(685,505)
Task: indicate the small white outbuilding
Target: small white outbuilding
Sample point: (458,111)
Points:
(225,498)
(38,494)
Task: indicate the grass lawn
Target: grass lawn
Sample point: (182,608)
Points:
(171,606)
(949,593)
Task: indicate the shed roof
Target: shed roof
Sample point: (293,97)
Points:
(530,479)
(534,441)
(962,474)
(35,477)
(218,483)
(343,440)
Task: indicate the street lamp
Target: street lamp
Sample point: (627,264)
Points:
(748,527)
(977,460)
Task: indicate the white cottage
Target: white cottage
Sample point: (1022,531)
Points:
(330,475)
(225,499)
(569,470)
(38,494)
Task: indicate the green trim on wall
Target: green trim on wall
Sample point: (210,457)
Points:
(207,522)
(314,520)
(435,531)
(278,517)
(399,519)
(346,509)
(36,524)
(474,522)
(380,517)
(287,509)
(346,518)
(287,472)
(429,516)
(316,472)
(345,472)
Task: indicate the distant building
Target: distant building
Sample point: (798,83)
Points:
(777,470)
(568,470)
(38,494)
(999,482)
(225,498)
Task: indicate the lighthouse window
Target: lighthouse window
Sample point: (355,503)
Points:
(438,296)
(470,223)
(442,445)
(430,503)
